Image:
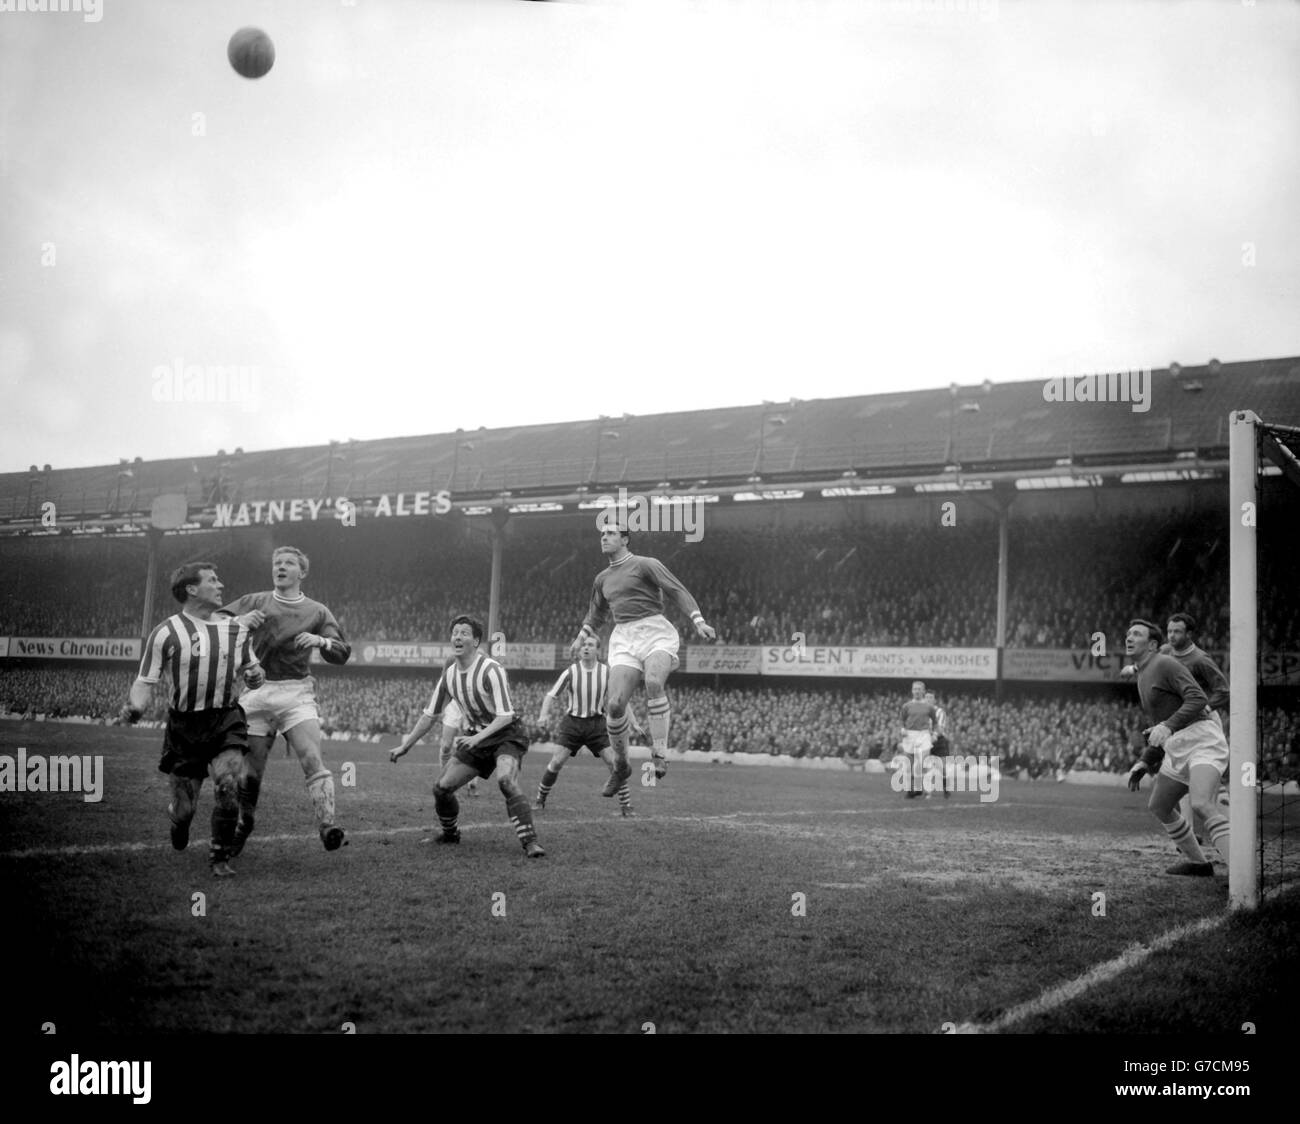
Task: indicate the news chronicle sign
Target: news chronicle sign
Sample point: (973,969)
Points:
(71,648)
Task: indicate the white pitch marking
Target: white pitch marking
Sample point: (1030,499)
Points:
(1102,973)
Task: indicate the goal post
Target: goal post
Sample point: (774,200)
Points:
(1263,814)
(1243,655)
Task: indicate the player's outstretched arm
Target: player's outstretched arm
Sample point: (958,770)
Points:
(421,727)
(597,613)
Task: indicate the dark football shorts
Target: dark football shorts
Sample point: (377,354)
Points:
(579,733)
(483,757)
(940,748)
(194,738)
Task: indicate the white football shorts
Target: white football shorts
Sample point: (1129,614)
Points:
(1201,743)
(630,644)
(917,741)
(278,705)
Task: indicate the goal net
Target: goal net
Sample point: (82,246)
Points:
(1263,728)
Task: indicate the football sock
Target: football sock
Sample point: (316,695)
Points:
(223,832)
(447,807)
(320,787)
(522,817)
(659,717)
(250,788)
(618,738)
(1180,832)
(625,796)
(1216,827)
(548,782)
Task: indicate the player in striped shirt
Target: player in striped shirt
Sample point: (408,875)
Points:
(288,626)
(206,734)
(1195,751)
(583,725)
(940,746)
(494,743)
(643,643)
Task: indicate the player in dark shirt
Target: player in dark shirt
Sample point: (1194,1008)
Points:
(1195,752)
(1180,629)
(918,717)
(643,643)
(287,626)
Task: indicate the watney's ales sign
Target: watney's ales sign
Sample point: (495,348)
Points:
(390,505)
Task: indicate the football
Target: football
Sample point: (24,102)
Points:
(251,52)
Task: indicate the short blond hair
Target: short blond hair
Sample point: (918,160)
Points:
(304,563)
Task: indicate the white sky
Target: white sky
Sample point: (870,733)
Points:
(443,213)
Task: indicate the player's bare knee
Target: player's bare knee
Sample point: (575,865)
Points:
(225,791)
(312,764)
(1206,809)
(616,708)
(654,685)
(509,787)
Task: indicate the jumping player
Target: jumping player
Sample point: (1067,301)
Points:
(495,743)
(583,725)
(643,642)
(288,625)
(1195,752)
(206,733)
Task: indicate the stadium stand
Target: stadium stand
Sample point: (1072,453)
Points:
(996,425)
(864,585)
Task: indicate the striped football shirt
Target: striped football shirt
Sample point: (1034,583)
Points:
(482,692)
(202,657)
(586,686)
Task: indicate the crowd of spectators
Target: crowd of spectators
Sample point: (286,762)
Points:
(1033,736)
(861,584)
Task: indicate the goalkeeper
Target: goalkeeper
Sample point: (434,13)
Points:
(1195,752)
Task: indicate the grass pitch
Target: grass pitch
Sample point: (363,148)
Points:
(740,900)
